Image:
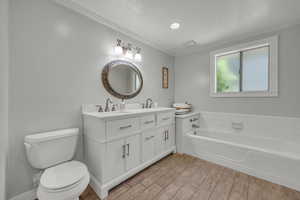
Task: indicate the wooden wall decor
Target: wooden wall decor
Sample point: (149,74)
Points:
(165,77)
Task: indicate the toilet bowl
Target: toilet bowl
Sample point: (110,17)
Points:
(63,182)
(62,178)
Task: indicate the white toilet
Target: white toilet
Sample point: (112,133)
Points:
(63,179)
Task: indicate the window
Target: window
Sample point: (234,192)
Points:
(247,70)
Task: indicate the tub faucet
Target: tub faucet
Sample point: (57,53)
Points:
(107,102)
(149,105)
(195,126)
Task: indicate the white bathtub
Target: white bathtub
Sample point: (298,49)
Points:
(274,160)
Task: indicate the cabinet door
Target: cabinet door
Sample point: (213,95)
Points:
(133,152)
(160,140)
(115,162)
(170,137)
(148,145)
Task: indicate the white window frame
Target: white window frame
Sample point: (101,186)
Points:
(272,91)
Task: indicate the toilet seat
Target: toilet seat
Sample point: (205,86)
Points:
(63,175)
(63,182)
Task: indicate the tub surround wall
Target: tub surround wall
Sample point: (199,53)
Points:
(192,80)
(4,65)
(260,126)
(56,60)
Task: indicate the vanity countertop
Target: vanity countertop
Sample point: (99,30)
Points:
(127,112)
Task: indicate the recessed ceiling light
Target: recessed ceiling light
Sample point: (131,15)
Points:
(174,26)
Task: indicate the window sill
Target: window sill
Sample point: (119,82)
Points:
(245,94)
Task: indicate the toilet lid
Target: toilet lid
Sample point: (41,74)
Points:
(63,175)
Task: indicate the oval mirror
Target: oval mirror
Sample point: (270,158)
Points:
(122,79)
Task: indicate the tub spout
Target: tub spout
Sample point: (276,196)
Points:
(195,126)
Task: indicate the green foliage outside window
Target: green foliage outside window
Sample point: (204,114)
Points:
(227,74)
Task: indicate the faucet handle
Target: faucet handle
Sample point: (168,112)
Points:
(100,109)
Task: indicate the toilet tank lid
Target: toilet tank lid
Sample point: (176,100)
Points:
(51,135)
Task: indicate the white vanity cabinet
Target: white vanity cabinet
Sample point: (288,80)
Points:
(119,145)
(122,155)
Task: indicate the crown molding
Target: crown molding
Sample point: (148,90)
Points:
(96,17)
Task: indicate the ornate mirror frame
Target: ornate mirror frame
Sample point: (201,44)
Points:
(107,86)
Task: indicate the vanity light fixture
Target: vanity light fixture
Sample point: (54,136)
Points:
(138,56)
(175,26)
(118,49)
(128,51)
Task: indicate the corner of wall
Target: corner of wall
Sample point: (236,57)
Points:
(4,68)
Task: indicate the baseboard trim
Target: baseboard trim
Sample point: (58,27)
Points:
(29,195)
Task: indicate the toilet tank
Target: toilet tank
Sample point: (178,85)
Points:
(51,148)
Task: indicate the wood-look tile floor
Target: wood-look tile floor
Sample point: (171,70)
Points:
(182,177)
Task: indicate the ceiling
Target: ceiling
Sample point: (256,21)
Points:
(204,21)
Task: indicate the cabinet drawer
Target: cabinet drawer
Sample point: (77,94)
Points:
(147,121)
(165,118)
(118,128)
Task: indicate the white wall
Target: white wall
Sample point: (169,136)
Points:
(56,60)
(3,93)
(192,81)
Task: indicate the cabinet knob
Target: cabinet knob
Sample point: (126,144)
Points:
(124,151)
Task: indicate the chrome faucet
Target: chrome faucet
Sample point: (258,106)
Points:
(195,126)
(107,102)
(149,105)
